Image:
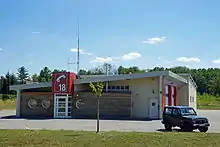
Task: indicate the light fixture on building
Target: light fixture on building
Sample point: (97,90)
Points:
(152,91)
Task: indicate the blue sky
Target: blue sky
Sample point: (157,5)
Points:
(144,33)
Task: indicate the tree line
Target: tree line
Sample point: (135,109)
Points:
(207,80)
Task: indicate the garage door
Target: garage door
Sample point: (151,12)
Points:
(112,104)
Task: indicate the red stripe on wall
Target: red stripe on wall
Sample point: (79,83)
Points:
(169,95)
(175,96)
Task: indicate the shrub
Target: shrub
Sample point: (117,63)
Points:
(5,97)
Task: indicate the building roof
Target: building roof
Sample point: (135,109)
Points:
(106,78)
(31,86)
(188,77)
(130,76)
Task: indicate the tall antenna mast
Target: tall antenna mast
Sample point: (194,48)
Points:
(78,50)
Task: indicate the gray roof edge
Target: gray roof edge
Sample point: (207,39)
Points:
(29,86)
(178,77)
(189,77)
(103,79)
(122,77)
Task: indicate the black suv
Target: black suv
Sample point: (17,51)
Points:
(184,117)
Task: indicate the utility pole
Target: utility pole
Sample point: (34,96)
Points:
(106,73)
(78,50)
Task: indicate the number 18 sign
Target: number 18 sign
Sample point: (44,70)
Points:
(60,82)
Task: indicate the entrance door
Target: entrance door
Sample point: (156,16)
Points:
(153,108)
(62,106)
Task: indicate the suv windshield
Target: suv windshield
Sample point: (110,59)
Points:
(188,111)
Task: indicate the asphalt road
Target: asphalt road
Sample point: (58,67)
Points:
(105,125)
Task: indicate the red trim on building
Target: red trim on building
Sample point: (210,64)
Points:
(175,95)
(169,95)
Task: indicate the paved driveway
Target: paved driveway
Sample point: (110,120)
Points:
(105,125)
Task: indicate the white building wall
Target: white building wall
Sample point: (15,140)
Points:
(183,95)
(18,103)
(186,95)
(192,95)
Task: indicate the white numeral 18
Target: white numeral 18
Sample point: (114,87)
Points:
(62,87)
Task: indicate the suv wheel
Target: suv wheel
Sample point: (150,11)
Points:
(187,127)
(203,129)
(168,127)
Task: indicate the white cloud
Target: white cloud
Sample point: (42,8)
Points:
(186,59)
(102,60)
(35,32)
(154,40)
(1,49)
(170,64)
(128,56)
(81,51)
(131,56)
(217,61)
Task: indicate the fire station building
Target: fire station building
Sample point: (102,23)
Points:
(134,96)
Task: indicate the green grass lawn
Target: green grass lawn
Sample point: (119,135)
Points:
(208,102)
(7,104)
(106,139)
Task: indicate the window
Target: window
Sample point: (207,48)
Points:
(188,111)
(118,88)
(176,112)
(191,99)
(168,111)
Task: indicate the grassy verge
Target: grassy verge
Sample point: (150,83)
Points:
(110,139)
(209,102)
(7,104)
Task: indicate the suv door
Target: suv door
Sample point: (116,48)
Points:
(176,116)
(167,115)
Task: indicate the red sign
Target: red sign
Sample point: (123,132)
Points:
(60,82)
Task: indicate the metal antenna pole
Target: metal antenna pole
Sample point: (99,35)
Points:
(78,51)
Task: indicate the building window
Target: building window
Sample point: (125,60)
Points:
(191,99)
(117,88)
